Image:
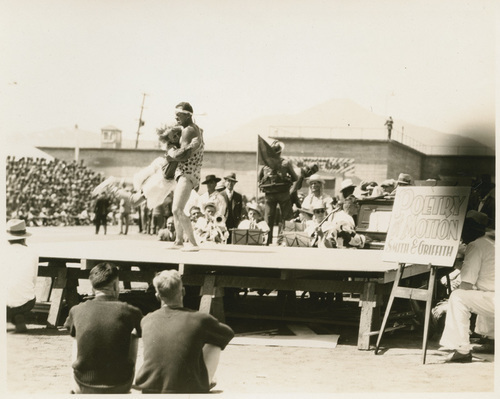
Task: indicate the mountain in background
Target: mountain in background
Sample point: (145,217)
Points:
(338,118)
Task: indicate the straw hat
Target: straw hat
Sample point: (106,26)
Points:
(16,230)
(220,186)
(346,184)
(316,178)
(255,207)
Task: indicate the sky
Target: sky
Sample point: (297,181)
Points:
(88,63)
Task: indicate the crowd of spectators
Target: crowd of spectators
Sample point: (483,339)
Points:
(49,192)
(59,193)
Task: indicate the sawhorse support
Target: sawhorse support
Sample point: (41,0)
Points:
(419,294)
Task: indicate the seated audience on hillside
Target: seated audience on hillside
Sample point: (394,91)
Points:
(106,332)
(182,347)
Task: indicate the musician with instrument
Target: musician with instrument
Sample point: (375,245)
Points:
(317,228)
(212,226)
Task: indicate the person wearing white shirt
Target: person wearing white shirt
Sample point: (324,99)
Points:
(254,221)
(476,293)
(317,194)
(212,195)
(21,278)
(211,226)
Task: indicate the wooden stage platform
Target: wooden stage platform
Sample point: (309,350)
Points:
(216,267)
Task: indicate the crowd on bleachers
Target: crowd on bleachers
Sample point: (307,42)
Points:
(49,192)
(58,193)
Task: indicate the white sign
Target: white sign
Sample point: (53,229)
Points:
(426,225)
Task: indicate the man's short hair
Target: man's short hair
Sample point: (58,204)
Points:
(103,274)
(168,284)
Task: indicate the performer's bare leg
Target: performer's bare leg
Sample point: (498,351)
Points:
(182,223)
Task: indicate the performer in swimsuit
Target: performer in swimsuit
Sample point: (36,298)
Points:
(187,175)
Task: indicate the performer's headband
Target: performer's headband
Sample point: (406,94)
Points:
(182,111)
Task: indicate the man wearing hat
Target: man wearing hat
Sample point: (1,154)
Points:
(212,195)
(21,276)
(349,202)
(476,293)
(316,194)
(234,200)
(388,186)
(276,183)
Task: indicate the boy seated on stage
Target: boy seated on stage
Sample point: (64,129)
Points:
(181,346)
(106,346)
(211,226)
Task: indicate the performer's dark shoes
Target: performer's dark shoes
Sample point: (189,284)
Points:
(457,357)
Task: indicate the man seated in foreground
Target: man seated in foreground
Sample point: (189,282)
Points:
(21,276)
(106,349)
(476,293)
(181,346)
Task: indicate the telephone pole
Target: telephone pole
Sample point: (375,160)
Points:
(141,122)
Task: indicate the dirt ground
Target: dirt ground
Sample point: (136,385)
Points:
(39,362)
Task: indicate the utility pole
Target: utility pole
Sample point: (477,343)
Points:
(141,122)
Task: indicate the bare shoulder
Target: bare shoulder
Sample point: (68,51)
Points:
(189,133)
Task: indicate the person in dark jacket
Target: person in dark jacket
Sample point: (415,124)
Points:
(235,210)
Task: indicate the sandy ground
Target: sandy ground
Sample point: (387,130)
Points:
(39,362)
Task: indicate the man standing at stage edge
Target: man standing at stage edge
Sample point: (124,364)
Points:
(275,180)
(234,200)
(476,293)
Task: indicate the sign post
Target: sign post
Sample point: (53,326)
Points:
(425,228)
